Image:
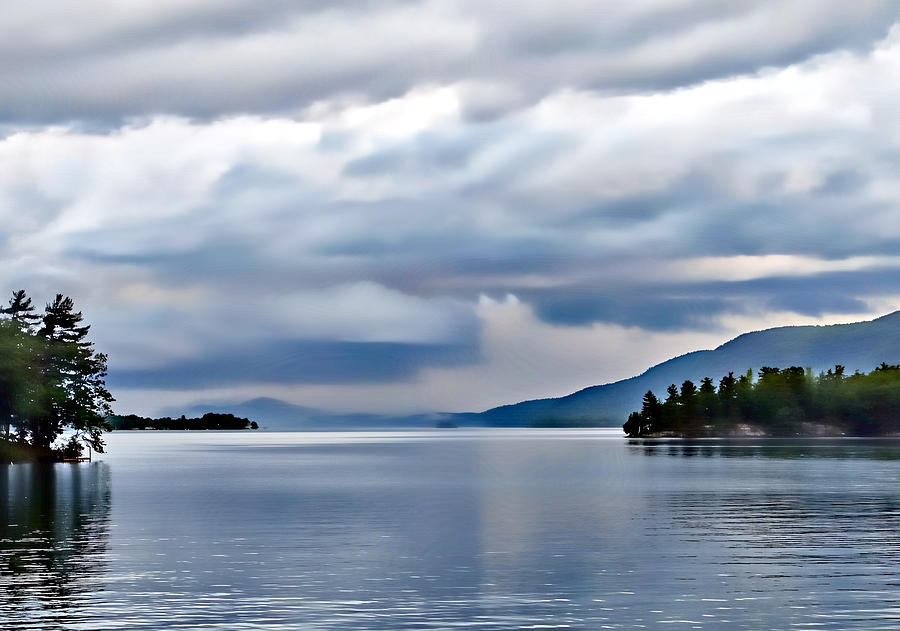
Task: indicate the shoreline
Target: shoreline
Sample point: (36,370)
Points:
(12,452)
(747,430)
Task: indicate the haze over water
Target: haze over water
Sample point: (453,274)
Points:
(457,528)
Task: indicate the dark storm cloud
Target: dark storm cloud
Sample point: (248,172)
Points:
(794,226)
(207,59)
(659,313)
(677,306)
(814,294)
(287,221)
(300,362)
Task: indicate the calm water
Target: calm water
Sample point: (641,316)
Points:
(453,529)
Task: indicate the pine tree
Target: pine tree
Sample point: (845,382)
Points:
(77,396)
(20,360)
(21,311)
(651,411)
(51,378)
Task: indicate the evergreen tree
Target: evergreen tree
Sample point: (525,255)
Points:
(21,310)
(706,399)
(51,379)
(672,394)
(671,412)
(782,402)
(688,392)
(78,397)
(727,394)
(651,412)
(633,425)
(21,358)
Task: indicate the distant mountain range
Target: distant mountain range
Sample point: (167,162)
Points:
(274,414)
(858,346)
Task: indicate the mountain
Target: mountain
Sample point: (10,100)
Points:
(858,346)
(274,414)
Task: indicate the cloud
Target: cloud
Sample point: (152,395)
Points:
(296,362)
(314,196)
(518,356)
(97,60)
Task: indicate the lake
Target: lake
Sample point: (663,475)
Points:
(446,529)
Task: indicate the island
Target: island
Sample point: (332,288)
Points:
(210,420)
(781,402)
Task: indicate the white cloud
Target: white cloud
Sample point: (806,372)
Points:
(368,312)
(748,267)
(362,172)
(107,61)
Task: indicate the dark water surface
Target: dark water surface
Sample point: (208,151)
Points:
(509,529)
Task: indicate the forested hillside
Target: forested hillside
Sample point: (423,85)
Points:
(857,346)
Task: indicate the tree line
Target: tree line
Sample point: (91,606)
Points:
(210,420)
(780,402)
(51,380)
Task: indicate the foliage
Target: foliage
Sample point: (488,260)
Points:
(781,402)
(51,378)
(210,420)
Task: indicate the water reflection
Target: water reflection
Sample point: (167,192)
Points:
(54,530)
(781,448)
(493,531)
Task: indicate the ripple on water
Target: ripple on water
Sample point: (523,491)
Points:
(514,531)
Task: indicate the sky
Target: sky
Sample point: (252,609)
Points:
(401,206)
